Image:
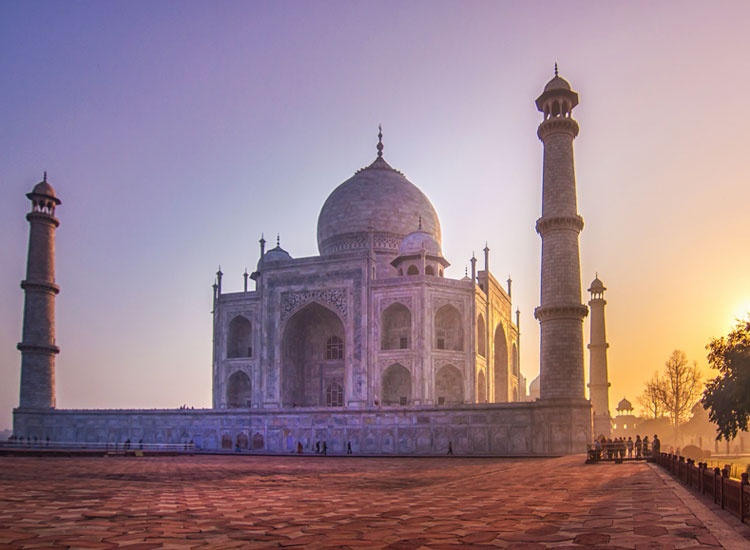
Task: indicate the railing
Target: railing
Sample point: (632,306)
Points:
(731,494)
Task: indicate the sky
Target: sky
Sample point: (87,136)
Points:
(176,133)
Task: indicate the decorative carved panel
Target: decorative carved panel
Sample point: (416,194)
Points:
(336,298)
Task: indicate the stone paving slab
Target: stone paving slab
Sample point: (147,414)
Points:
(342,503)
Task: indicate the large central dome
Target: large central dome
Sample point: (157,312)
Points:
(377,199)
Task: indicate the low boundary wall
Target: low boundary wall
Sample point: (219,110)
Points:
(542,427)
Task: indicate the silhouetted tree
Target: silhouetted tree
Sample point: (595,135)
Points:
(654,397)
(682,385)
(728,395)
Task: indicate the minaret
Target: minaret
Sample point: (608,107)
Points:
(598,378)
(38,347)
(561,312)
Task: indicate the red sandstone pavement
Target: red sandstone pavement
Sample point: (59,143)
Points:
(342,503)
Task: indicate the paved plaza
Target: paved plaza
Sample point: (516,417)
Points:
(341,502)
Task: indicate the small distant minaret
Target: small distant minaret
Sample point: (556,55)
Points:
(38,348)
(598,378)
(561,312)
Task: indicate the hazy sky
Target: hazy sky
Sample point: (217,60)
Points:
(176,132)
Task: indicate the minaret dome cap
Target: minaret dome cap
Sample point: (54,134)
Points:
(44,189)
(597,285)
(557,83)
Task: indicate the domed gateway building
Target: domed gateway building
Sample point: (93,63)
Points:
(368,345)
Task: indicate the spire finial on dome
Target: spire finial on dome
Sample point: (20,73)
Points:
(420,223)
(555,68)
(278,239)
(45,176)
(380,141)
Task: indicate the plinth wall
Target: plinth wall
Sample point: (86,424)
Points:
(543,427)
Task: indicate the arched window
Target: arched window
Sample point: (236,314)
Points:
(449,385)
(412,270)
(395,327)
(334,348)
(396,385)
(334,395)
(429,270)
(449,331)
(239,391)
(240,338)
(481,336)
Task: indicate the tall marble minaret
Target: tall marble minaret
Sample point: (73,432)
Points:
(561,312)
(598,378)
(38,347)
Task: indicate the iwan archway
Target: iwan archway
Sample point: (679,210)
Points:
(313,351)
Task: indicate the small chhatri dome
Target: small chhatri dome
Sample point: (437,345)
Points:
(597,285)
(624,405)
(417,241)
(44,189)
(377,205)
(277,254)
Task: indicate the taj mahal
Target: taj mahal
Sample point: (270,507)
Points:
(367,345)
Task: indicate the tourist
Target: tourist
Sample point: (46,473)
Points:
(317,447)
(450,447)
(325,448)
(638,446)
(646,451)
(348,447)
(629,445)
(299,447)
(621,446)
(656,446)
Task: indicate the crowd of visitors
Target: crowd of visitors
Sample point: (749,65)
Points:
(620,448)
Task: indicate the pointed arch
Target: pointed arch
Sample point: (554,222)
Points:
(239,338)
(481,336)
(449,386)
(449,330)
(396,385)
(395,327)
(481,387)
(307,338)
(501,365)
(239,391)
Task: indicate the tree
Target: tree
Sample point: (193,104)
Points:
(674,393)
(653,399)
(682,387)
(728,395)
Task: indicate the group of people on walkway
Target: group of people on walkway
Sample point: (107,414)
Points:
(619,447)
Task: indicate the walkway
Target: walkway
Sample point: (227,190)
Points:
(357,503)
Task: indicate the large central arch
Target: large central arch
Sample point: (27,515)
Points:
(501,365)
(313,351)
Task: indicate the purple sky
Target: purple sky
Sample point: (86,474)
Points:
(176,132)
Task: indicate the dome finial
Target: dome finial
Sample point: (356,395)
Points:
(278,239)
(380,141)
(45,176)
(420,223)
(555,68)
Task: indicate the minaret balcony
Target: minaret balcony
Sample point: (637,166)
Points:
(557,125)
(578,312)
(548,223)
